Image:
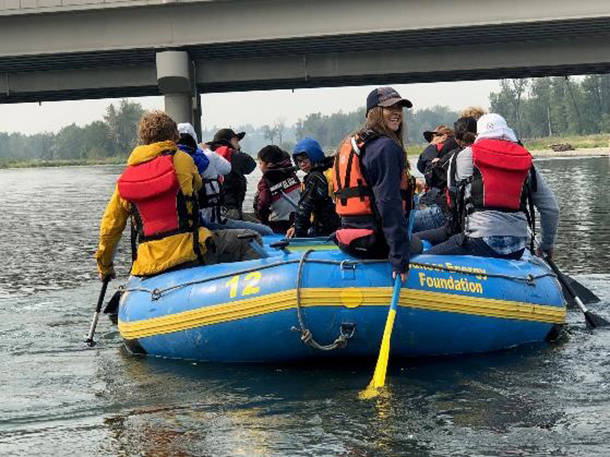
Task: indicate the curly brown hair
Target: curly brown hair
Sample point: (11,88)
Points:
(157,126)
(473,111)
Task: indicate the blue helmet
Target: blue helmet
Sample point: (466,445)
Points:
(310,147)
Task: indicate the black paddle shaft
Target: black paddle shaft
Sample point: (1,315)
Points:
(100,300)
(593,320)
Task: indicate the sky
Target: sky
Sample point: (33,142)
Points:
(256,108)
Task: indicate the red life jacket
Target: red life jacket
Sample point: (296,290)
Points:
(225,152)
(159,207)
(500,173)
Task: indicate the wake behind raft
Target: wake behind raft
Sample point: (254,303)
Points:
(312,301)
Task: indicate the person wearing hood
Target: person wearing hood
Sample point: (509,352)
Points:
(316,209)
(158,190)
(226,144)
(188,143)
(495,188)
(210,196)
(278,189)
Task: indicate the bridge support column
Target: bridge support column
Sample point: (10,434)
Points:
(177,83)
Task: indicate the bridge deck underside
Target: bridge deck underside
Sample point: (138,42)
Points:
(447,54)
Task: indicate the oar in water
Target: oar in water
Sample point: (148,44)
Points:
(593,320)
(89,340)
(585,294)
(381,368)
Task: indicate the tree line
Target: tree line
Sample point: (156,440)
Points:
(537,107)
(115,135)
(331,129)
(555,106)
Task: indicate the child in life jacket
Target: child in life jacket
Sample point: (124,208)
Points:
(315,214)
(278,189)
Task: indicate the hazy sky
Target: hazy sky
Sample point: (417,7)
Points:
(256,108)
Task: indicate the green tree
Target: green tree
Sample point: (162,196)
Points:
(41,145)
(97,139)
(69,143)
(122,122)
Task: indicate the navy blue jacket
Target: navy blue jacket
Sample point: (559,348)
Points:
(384,163)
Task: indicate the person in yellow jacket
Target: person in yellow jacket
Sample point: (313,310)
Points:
(156,189)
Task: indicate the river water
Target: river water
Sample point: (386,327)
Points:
(58,398)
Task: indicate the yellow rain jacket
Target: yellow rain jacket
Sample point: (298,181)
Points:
(157,255)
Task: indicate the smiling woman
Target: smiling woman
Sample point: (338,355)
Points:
(374,189)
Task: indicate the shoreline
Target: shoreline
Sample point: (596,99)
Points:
(578,152)
(537,153)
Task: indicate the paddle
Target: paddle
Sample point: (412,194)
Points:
(582,291)
(89,340)
(593,320)
(585,294)
(378,380)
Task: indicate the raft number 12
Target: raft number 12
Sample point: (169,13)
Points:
(251,288)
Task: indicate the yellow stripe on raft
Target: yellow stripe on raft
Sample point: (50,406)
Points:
(348,297)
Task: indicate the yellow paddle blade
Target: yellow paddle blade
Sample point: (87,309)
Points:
(381,368)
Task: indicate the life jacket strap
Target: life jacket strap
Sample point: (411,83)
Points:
(360,191)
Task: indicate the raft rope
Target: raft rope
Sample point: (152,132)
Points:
(306,335)
(157,293)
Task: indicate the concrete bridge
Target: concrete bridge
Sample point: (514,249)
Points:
(77,49)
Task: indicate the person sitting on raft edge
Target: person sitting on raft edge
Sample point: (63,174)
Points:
(494,199)
(158,190)
(315,214)
(373,186)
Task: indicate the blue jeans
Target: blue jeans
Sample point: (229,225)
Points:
(460,244)
(235,224)
(428,218)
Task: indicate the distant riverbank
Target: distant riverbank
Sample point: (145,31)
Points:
(37,163)
(413,152)
(579,152)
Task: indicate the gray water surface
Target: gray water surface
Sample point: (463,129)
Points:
(59,398)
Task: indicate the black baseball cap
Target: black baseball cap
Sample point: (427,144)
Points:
(438,131)
(385,97)
(223,136)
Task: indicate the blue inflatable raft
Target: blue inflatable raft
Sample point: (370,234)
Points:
(311,300)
